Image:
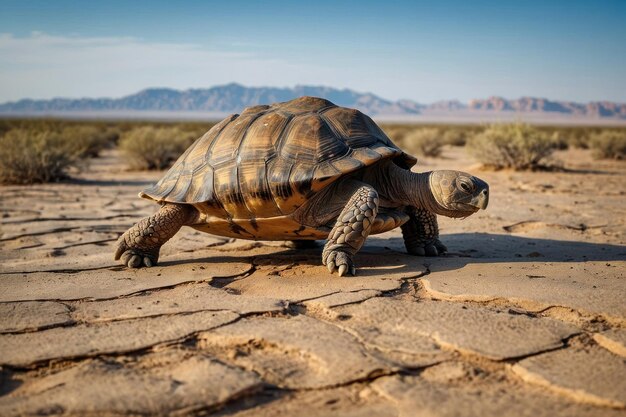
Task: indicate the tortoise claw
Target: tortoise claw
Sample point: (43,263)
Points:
(126,256)
(419,251)
(135,257)
(440,246)
(340,261)
(431,250)
(119,251)
(135,262)
(434,248)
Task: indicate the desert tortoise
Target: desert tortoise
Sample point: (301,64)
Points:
(301,170)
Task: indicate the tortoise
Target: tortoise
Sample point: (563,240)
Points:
(300,171)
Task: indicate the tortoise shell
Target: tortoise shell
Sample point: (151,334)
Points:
(269,160)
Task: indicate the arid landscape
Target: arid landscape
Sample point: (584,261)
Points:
(524,316)
(488,282)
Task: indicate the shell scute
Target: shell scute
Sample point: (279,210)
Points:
(304,104)
(301,179)
(255,189)
(260,141)
(310,139)
(366,156)
(201,187)
(179,191)
(255,109)
(226,186)
(207,141)
(278,172)
(225,149)
(350,124)
(347,164)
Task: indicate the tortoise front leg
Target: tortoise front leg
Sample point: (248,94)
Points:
(140,245)
(421,233)
(350,231)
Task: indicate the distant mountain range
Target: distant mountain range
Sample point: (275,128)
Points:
(232,98)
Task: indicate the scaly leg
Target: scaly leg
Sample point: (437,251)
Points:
(140,245)
(421,233)
(350,231)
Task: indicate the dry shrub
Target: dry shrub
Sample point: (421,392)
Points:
(28,156)
(154,148)
(579,138)
(454,137)
(89,139)
(609,144)
(559,141)
(423,141)
(518,146)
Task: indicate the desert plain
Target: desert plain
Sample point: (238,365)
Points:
(525,316)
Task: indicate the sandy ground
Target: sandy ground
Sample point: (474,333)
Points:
(526,316)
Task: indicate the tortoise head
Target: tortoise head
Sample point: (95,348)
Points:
(459,194)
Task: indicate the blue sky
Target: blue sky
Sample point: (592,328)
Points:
(424,51)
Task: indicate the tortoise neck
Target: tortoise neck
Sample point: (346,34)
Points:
(408,188)
(413,189)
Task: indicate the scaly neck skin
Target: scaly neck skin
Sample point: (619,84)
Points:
(409,188)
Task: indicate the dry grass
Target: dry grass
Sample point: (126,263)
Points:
(609,144)
(517,146)
(28,156)
(148,148)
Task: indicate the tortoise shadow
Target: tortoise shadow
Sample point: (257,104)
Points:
(382,254)
(486,247)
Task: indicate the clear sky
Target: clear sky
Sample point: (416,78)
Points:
(424,51)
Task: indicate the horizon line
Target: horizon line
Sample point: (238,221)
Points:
(235,83)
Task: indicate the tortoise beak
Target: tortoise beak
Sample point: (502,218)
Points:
(481,198)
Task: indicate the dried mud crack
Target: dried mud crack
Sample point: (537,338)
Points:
(587,321)
(223,327)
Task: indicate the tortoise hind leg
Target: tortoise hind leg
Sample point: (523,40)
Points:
(140,245)
(421,233)
(350,231)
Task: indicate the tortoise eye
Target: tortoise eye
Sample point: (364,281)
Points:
(465,186)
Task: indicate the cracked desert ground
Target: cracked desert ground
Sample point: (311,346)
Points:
(526,316)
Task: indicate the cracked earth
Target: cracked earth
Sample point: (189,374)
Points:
(524,317)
